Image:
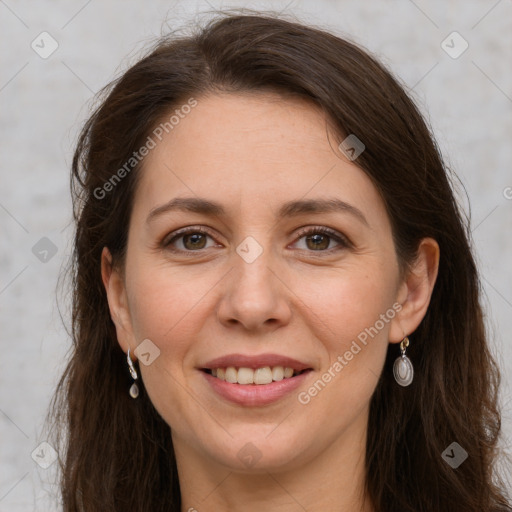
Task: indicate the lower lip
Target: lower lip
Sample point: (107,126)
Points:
(255,394)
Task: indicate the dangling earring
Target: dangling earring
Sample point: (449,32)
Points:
(402,369)
(134,390)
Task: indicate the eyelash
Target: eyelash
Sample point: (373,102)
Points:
(343,242)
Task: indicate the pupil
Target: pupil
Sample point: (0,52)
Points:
(317,241)
(195,239)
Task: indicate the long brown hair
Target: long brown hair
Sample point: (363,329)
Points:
(116,453)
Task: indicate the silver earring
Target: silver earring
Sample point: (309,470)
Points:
(134,390)
(403,370)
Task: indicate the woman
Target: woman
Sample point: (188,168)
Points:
(275,301)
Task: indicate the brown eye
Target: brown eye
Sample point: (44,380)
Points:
(317,241)
(188,240)
(321,239)
(194,241)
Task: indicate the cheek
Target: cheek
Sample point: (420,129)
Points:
(170,307)
(165,302)
(167,306)
(347,301)
(352,311)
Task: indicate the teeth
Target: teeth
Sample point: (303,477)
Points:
(246,376)
(277,373)
(262,375)
(231,375)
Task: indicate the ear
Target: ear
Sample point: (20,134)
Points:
(415,291)
(117,301)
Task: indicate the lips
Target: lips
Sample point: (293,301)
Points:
(254,380)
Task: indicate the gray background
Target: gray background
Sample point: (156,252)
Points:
(468,101)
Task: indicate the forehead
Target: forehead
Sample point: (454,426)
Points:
(251,148)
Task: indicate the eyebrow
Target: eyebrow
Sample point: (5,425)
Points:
(288,209)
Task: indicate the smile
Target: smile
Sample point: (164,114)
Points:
(249,376)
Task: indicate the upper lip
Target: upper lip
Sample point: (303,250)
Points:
(258,361)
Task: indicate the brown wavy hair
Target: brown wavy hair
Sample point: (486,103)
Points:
(116,453)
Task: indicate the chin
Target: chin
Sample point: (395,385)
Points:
(247,454)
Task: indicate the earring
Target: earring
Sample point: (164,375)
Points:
(403,370)
(134,390)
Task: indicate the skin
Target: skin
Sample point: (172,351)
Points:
(252,153)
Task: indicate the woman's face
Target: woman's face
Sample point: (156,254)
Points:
(256,279)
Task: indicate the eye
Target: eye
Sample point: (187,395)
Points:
(322,239)
(312,239)
(188,239)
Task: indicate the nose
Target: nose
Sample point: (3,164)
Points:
(255,296)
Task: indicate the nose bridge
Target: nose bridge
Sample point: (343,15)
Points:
(254,296)
(256,274)
(253,277)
